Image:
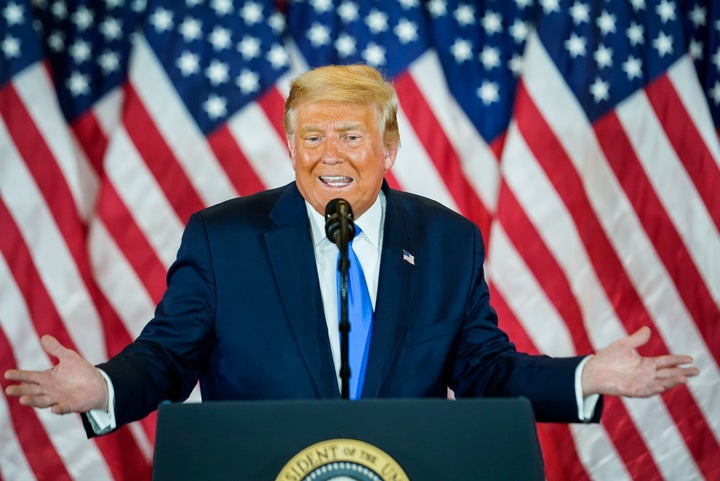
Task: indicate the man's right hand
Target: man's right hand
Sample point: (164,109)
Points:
(73,385)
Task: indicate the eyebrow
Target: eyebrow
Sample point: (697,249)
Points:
(341,128)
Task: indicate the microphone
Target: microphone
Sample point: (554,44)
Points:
(339,223)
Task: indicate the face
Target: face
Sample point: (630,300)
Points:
(338,151)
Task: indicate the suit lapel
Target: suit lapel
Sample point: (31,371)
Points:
(293,263)
(393,298)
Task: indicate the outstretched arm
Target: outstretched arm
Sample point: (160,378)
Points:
(72,385)
(618,370)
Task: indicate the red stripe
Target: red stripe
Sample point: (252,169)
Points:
(131,240)
(159,158)
(440,149)
(39,450)
(550,276)
(123,457)
(47,320)
(620,292)
(59,200)
(234,162)
(273,104)
(56,192)
(541,262)
(93,140)
(562,462)
(685,138)
(392,181)
(660,230)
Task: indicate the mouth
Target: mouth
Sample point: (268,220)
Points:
(336,181)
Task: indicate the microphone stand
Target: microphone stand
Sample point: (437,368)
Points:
(340,229)
(343,265)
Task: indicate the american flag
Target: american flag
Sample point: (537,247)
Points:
(580,135)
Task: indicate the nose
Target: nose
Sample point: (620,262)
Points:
(331,153)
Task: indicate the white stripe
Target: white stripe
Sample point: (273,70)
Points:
(118,281)
(143,443)
(108,111)
(645,270)
(598,454)
(178,129)
(478,162)
(510,275)
(266,152)
(36,91)
(684,78)
(674,188)
(563,115)
(414,169)
(547,212)
(688,213)
(144,198)
(665,442)
(551,336)
(82,459)
(13,463)
(49,252)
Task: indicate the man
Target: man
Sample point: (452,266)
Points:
(251,308)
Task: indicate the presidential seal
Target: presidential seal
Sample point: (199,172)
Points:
(342,460)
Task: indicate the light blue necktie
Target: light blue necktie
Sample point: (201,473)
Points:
(360,315)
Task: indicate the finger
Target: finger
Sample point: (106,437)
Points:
(18,390)
(41,401)
(52,346)
(639,337)
(60,409)
(23,376)
(684,372)
(672,360)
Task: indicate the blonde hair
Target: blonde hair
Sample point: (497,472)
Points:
(354,84)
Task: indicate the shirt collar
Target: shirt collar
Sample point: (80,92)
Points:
(370,222)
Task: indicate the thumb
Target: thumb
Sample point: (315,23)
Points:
(639,337)
(52,346)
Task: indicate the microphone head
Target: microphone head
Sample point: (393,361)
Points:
(339,221)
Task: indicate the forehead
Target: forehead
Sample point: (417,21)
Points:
(313,115)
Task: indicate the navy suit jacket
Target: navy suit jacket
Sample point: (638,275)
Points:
(243,314)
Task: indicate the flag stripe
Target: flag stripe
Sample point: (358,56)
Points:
(224,146)
(479,161)
(440,151)
(142,257)
(553,337)
(173,132)
(158,158)
(42,456)
(686,140)
(618,287)
(60,201)
(561,457)
(670,248)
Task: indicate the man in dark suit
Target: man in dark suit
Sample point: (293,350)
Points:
(251,308)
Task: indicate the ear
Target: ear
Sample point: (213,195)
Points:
(390,156)
(291,148)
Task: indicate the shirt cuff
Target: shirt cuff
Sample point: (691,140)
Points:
(103,421)
(586,405)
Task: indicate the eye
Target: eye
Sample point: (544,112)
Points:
(311,139)
(353,139)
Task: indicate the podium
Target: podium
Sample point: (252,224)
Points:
(373,440)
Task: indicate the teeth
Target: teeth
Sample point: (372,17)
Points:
(336,180)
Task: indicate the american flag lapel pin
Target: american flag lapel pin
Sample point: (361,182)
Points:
(409,258)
